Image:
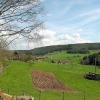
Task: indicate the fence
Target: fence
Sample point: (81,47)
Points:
(49,95)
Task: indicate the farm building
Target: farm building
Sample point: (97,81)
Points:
(4,96)
(40,58)
(15,55)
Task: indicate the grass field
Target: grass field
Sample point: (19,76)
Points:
(17,78)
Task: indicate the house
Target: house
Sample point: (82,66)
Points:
(15,55)
(4,96)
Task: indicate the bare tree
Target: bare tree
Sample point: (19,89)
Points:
(20,18)
(3,44)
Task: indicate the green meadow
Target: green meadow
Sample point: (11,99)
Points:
(17,78)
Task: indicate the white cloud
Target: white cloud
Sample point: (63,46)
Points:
(47,33)
(87,17)
(49,14)
(73,38)
(51,38)
(90,13)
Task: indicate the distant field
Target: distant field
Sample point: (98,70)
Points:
(17,78)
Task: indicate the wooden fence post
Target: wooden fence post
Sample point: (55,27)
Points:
(40,95)
(62,95)
(23,92)
(8,90)
(84,96)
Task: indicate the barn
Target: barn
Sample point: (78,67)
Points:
(15,55)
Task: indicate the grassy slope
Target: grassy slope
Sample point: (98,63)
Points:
(17,77)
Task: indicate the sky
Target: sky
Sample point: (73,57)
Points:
(67,22)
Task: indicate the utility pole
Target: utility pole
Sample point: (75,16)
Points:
(95,65)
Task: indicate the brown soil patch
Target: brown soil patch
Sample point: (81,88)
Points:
(48,81)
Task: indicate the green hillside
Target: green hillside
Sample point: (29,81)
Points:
(17,78)
(71,48)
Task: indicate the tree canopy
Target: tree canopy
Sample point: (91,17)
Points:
(92,59)
(20,18)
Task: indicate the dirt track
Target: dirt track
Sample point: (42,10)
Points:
(48,81)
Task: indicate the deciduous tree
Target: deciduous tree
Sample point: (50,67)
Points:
(20,18)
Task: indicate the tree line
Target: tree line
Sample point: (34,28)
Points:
(44,50)
(93,59)
(70,48)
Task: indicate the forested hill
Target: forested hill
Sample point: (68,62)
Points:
(44,50)
(49,49)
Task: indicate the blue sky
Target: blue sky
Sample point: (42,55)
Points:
(69,21)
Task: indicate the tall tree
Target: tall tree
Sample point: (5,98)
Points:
(20,18)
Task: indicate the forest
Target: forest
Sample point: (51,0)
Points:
(70,48)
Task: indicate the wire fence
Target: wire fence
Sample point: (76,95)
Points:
(49,95)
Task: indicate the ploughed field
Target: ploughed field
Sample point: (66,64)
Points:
(48,81)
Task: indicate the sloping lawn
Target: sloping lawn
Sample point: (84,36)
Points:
(17,78)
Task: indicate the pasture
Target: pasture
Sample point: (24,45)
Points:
(17,78)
